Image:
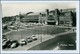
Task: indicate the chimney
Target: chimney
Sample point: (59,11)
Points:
(47,10)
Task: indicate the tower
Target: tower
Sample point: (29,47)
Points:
(57,16)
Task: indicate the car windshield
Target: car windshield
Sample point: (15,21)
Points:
(33,36)
(28,38)
(22,40)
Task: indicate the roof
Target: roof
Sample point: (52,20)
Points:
(36,13)
(32,17)
(69,9)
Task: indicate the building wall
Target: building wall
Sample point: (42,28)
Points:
(66,19)
(58,17)
(51,20)
(43,18)
(30,18)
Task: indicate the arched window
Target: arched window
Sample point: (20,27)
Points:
(50,17)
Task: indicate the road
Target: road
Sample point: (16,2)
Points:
(41,37)
(31,44)
(44,38)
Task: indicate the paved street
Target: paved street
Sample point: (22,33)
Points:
(43,33)
(44,38)
(31,44)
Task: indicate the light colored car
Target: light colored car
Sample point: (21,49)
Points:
(22,42)
(29,39)
(5,39)
(14,44)
(12,27)
(34,37)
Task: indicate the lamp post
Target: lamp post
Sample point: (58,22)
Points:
(41,35)
(41,38)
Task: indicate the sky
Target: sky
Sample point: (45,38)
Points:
(13,8)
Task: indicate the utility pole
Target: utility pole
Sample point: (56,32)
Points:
(41,38)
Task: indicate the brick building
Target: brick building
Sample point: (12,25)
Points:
(63,17)
(42,18)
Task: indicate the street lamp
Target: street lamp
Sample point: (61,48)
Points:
(41,38)
(41,35)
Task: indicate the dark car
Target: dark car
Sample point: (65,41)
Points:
(6,44)
(3,36)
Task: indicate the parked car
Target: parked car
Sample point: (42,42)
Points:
(3,36)
(6,44)
(34,37)
(22,42)
(4,39)
(9,42)
(4,26)
(14,44)
(29,39)
(12,27)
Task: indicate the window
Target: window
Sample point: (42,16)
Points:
(50,17)
(43,15)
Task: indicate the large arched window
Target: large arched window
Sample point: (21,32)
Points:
(50,17)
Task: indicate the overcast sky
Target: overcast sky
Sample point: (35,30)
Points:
(13,8)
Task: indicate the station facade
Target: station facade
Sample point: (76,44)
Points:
(65,17)
(62,17)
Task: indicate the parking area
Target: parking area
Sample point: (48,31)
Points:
(32,43)
(42,33)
